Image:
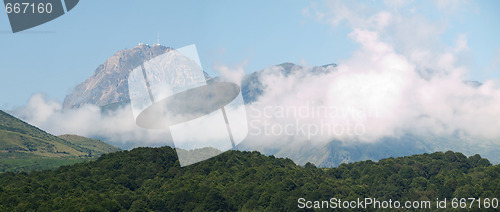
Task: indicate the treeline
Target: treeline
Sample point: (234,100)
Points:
(150,179)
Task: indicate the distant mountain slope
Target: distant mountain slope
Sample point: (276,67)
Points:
(150,179)
(23,146)
(96,147)
(19,136)
(336,152)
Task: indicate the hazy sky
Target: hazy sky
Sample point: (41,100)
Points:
(54,57)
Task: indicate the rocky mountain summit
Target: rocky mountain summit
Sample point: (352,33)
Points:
(109,82)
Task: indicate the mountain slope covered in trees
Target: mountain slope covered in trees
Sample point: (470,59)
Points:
(151,179)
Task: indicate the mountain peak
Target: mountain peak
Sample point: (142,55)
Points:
(147,46)
(109,82)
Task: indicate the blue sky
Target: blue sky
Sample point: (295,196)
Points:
(54,57)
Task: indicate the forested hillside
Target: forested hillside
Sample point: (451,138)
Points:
(151,179)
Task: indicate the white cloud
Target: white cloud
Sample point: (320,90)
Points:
(380,90)
(116,127)
(231,74)
(402,79)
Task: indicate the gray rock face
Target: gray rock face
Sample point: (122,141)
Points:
(109,83)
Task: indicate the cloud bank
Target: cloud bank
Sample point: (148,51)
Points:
(115,127)
(401,80)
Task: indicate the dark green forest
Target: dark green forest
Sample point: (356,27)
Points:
(150,179)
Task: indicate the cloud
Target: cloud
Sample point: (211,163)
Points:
(402,79)
(231,74)
(375,94)
(116,127)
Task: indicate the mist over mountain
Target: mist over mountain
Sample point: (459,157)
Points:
(252,86)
